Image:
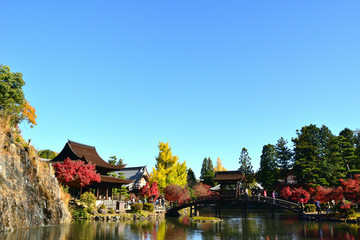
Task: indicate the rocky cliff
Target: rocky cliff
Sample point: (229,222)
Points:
(29,192)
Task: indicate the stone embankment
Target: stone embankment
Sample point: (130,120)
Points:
(326,218)
(127,217)
(29,192)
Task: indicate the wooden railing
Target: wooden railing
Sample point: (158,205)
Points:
(188,202)
(261,199)
(275,201)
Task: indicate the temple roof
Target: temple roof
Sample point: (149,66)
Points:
(110,179)
(229,176)
(135,173)
(78,151)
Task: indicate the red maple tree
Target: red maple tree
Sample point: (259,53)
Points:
(202,190)
(149,191)
(176,193)
(295,194)
(76,173)
(348,189)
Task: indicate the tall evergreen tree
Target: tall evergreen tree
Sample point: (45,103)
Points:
(284,158)
(335,167)
(191,180)
(245,162)
(207,172)
(168,170)
(357,148)
(268,172)
(347,150)
(348,135)
(310,150)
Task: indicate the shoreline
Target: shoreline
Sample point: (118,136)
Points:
(327,218)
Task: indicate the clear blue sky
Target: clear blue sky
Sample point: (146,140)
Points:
(209,77)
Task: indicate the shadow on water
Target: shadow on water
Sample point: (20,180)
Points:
(257,225)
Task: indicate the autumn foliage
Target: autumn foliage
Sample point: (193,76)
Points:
(176,193)
(76,173)
(150,191)
(29,113)
(202,190)
(348,189)
(295,194)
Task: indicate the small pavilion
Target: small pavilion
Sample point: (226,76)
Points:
(88,154)
(139,175)
(230,184)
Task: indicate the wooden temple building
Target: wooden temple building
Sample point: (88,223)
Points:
(230,184)
(88,154)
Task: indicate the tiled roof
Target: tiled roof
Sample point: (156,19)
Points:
(229,176)
(79,151)
(134,173)
(110,179)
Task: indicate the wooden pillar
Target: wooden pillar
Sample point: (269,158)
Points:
(120,193)
(244,202)
(191,210)
(107,192)
(97,193)
(216,209)
(219,211)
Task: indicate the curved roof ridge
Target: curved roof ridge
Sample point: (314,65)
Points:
(80,144)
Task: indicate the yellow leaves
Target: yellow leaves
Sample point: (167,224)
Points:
(219,167)
(168,170)
(29,113)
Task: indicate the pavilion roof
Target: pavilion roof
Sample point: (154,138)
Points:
(229,176)
(79,151)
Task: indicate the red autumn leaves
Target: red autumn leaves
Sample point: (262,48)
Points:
(76,173)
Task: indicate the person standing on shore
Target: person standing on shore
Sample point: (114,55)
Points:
(273,196)
(318,207)
(265,195)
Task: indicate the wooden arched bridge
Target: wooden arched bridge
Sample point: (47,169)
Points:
(273,203)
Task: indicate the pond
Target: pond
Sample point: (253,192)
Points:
(257,225)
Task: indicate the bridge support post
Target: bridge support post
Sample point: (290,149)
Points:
(244,207)
(218,209)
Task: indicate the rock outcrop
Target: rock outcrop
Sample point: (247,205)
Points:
(29,192)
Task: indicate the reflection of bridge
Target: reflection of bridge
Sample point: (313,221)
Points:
(242,200)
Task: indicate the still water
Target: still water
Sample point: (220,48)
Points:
(257,225)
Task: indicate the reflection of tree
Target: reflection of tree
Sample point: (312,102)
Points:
(258,226)
(160,234)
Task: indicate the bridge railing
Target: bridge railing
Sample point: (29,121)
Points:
(276,201)
(197,199)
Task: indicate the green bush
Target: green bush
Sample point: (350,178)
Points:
(350,213)
(88,198)
(79,213)
(136,207)
(111,211)
(310,208)
(148,207)
(102,206)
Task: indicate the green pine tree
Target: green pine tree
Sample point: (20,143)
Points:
(268,172)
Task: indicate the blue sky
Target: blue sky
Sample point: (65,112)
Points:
(209,77)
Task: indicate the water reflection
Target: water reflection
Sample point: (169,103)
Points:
(255,226)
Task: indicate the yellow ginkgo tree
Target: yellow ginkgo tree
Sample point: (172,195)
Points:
(168,170)
(219,167)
